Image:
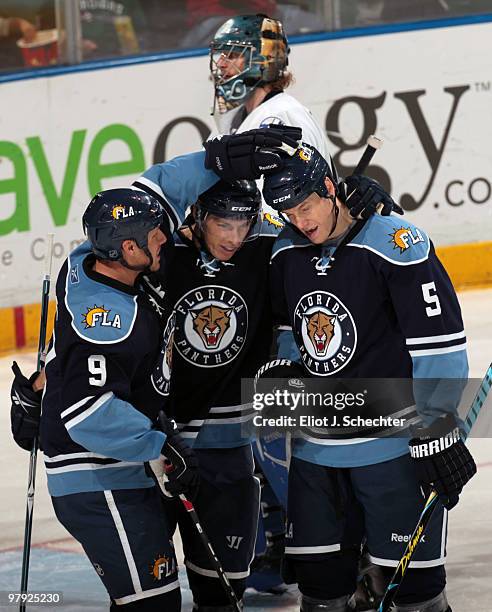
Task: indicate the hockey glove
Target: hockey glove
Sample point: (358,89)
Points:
(250,154)
(25,408)
(365,197)
(441,459)
(279,375)
(176,470)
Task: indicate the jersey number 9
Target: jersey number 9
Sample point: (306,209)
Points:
(97,367)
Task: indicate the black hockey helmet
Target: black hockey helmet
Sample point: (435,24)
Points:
(237,200)
(116,215)
(302,174)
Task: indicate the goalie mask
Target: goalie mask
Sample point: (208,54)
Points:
(247,51)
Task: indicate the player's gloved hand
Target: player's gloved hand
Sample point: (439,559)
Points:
(176,470)
(280,374)
(365,197)
(25,408)
(441,458)
(250,154)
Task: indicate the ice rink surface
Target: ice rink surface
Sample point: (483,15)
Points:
(57,562)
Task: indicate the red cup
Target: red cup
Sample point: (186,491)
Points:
(42,51)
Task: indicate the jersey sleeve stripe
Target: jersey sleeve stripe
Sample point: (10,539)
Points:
(74,407)
(438,351)
(284,327)
(153,189)
(78,418)
(66,456)
(433,339)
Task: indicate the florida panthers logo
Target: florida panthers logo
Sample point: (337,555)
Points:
(161,376)
(326,333)
(320,328)
(211,323)
(211,326)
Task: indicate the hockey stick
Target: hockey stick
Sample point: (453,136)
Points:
(373,144)
(431,502)
(31,483)
(190,509)
(211,554)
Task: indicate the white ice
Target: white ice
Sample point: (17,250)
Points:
(58,563)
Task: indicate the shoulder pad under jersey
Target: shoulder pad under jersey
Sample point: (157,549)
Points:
(100,314)
(394,239)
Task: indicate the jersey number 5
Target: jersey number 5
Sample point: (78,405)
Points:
(97,366)
(429,292)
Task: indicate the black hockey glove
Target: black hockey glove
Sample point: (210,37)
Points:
(442,460)
(176,470)
(25,408)
(280,374)
(365,197)
(250,154)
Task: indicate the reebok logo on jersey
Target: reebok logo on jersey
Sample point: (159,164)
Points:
(396,537)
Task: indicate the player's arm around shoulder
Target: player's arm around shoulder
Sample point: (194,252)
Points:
(177,183)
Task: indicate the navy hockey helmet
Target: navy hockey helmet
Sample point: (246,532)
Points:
(302,174)
(240,200)
(116,215)
(246,51)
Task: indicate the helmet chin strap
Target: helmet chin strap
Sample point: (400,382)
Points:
(335,212)
(140,267)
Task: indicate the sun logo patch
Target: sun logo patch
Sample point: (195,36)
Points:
(305,154)
(404,237)
(272,220)
(99,316)
(120,212)
(163,567)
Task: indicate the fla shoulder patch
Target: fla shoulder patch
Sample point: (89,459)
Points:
(394,239)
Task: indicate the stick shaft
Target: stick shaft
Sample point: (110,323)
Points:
(431,501)
(31,481)
(211,554)
(373,144)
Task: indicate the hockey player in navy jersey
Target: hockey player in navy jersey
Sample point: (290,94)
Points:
(107,377)
(365,299)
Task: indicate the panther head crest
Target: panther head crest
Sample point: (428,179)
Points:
(320,327)
(211,323)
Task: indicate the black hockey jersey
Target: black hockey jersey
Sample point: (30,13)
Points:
(107,376)
(223,333)
(383,308)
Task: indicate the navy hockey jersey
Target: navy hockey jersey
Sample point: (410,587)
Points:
(223,320)
(107,376)
(223,333)
(383,308)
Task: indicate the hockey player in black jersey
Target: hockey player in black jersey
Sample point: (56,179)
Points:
(365,299)
(107,377)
